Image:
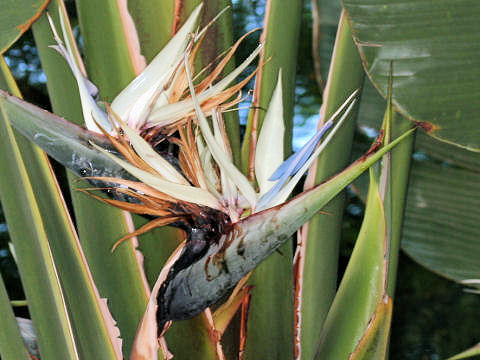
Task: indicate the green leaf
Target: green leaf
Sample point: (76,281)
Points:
(320,238)
(34,257)
(363,286)
(441,222)
(16,17)
(11,343)
(118,276)
(92,323)
(153,20)
(435,61)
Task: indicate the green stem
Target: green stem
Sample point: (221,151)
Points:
(270,336)
(319,278)
(400,165)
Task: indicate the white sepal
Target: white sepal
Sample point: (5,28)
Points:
(218,154)
(152,158)
(140,93)
(167,114)
(269,149)
(181,192)
(285,192)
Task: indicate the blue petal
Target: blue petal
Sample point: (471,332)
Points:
(302,155)
(291,166)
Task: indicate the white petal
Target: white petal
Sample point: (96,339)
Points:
(218,154)
(152,158)
(269,150)
(170,113)
(229,190)
(177,191)
(284,193)
(89,107)
(141,90)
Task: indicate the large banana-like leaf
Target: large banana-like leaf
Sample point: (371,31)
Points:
(441,223)
(435,61)
(16,18)
(443,185)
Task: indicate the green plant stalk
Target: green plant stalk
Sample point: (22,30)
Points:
(401,157)
(90,329)
(271,335)
(118,277)
(362,290)
(29,237)
(324,230)
(11,342)
(153,20)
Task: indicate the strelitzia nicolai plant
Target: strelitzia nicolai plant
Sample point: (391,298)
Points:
(223,244)
(145,182)
(209,198)
(217,254)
